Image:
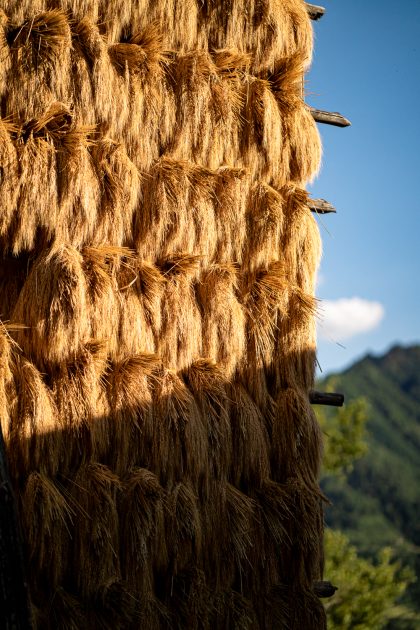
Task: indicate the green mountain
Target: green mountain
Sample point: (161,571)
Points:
(378,503)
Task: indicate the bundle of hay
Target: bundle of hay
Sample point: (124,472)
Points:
(158,261)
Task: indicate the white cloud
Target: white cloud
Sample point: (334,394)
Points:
(347,317)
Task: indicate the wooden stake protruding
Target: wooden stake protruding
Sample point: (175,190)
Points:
(329,118)
(324,398)
(315,12)
(324,589)
(320,206)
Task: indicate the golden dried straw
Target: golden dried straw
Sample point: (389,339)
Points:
(157,331)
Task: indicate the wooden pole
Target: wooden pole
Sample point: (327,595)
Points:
(315,12)
(14,600)
(320,206)
(324,589)
(324,398)
(329,118)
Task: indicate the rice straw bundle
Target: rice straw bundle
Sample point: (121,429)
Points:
(53,306)
(4,51)
(251,465)
(223,317)
(230,206)
(192,77)
(119,184)
(10,180)
(36,156)
(78,188)
(205,381)
(178,20)
(7,391)
(293,430)
(266,29)
(302,152)
(228,98)
(182,432)
(142,59)
(143,530)
(267,302)
(265,218)
(40,63)
(184,535)
(181,333)
(94,491)
(100,92)
(163,221)
(157,274)
(46,512)
(77,388)
(89,66)
(102,296)
(34,420)
(263,138)
(130,390)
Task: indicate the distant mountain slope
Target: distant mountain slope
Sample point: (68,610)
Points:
(382,494)
(379,503)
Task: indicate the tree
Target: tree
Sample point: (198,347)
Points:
(345,436)
(367,591)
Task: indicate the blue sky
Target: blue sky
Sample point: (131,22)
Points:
(367,67)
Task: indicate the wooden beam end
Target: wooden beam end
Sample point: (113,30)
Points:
(315,12)
(324,589)
(329,118)
(325,398)
(320,206)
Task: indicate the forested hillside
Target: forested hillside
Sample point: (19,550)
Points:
(378,503)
